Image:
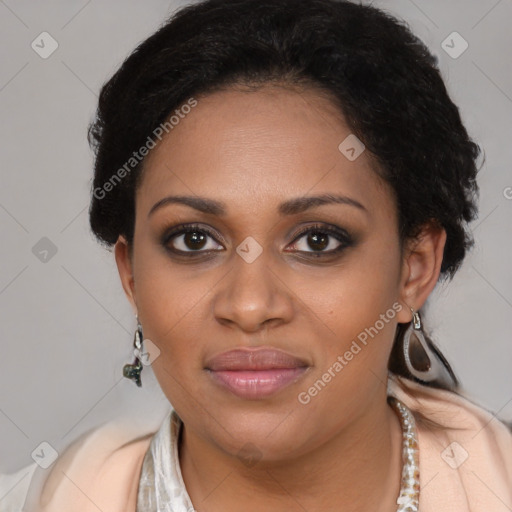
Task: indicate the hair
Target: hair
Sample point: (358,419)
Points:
(383,79)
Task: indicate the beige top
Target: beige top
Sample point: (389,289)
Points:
(464,467)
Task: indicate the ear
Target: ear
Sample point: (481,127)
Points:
(421,266)
(125,269)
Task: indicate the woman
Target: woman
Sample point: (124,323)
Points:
(284,183)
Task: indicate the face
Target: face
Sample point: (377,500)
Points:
(317,283)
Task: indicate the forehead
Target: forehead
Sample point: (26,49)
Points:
(250,149)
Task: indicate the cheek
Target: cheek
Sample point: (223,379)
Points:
(351,364)
(353,295)
(169,307)
(359,303)
(170,302)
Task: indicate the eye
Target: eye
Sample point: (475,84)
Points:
(190,239)
(194,240)
(322,239)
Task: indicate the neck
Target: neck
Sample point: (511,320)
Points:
(359,468)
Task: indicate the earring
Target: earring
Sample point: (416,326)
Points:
(132,371)
(422,359)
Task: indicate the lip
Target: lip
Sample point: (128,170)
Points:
(254,359)
(255,373)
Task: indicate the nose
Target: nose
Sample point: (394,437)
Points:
(252,296)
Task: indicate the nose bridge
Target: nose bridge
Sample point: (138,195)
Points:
(251,293)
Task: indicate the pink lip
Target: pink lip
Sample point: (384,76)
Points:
(255,373)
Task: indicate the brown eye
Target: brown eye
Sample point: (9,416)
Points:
(190,239)
(322,240)
(194,240)
(317,240)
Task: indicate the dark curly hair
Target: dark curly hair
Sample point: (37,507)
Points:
(384,80)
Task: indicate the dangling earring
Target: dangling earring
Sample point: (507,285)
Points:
(132,371)
(423,361)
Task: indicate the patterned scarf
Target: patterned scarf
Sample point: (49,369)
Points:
(161,486)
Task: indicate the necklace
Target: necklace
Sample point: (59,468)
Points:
(408,501)
(161,486)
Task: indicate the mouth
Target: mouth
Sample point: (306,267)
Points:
(255,373)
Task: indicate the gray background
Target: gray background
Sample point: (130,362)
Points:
(66,326)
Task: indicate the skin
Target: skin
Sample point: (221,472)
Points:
(252,151)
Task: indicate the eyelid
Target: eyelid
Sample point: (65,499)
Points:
(327,228)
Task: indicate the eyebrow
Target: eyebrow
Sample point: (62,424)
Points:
(289,207)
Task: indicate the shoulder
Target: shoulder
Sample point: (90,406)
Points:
(98,470)
(465,450)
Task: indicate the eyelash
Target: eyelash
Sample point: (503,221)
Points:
(340,234)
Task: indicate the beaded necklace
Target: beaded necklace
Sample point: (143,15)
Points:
(408,501)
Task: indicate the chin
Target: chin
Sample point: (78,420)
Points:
(263,434)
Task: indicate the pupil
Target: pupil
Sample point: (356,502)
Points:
(314,243)
(195,239)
